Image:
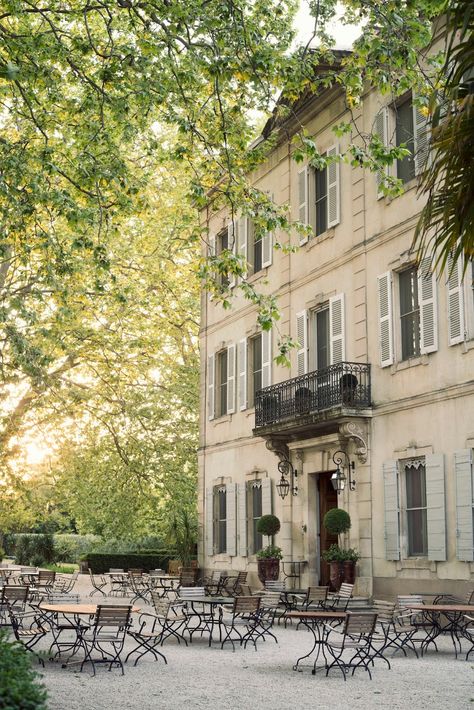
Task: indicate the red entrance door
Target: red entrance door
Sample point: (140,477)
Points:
(327,500)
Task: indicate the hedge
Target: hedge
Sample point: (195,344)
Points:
(19,688)
(101,562)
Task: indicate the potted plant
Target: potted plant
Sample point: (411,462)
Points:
(268,558)
(349,558)
(341,561)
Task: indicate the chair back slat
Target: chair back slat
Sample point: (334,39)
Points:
(246,605)
(405,601)
(385,610)
(345,591)
(316,594)
(360,624)
(275,585)
(270,600)
(192,592)
(112,615)
(15,593)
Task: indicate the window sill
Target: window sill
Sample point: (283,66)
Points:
(411,362)
(412,563)
(262,274)
(221,420)
(314,241)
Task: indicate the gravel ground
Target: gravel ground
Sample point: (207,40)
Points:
(203,677)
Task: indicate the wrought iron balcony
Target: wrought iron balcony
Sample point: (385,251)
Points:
(345,385)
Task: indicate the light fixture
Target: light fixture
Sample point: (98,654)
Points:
(286,486)
(339,478)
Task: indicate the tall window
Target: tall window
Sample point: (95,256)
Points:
(321,184)
(416,508)
(222,244)
(221,378)
(404,133)
(256,365)
(319,339)
(409,313)
(254,513)
(220,519)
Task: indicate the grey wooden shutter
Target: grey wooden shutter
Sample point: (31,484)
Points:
(336,329)
(302,338)
(464,505)
(303,200)
(231,531)
(242,364)
(455,302)
(266,358)
(242,509)
(421,140)
(209,530)
(231,379)
(381,129)
(210,387)
(427,291)
(232,241)
(333,189)
(391,507)
(266,496)
(385,318)
(435,502)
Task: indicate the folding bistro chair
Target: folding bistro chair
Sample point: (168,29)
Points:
(355,641)
(242,624)
(394,629)
(28,628)
(14,596)
(106,636)
(98,582)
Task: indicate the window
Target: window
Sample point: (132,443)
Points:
(257,247)
(319,339)
(318,196)
(254,513)
(321,336)
(404,134)
(222,244)
(221,399)
(220,519)
(409,313)
(254,367)
(416,508)
(255,362)
(321,177)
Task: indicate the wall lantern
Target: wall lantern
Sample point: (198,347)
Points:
(339,478)
(286,486)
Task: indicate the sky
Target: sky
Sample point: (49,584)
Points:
(343,34)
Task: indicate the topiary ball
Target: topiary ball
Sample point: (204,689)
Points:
(337,521)
(268,525)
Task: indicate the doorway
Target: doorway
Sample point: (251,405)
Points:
(327,500)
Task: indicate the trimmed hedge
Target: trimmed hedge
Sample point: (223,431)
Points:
(19,689)
(101,562)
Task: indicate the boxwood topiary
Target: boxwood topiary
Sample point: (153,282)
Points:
(19,689)
(268,525)
(337,521)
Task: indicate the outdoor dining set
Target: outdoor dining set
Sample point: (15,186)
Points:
(150,608)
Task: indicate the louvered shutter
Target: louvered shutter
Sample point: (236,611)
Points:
(266,358)
(266,496)
(391,507)
(267,245)
(231,520)
(243,230)
(242,515)
(421,139)
(464,505)
(232,241)
(231,379)
(381,129)
(333,189)
(302,338)
(427,293)
(209,532)
(385,319)
(210,387)
(455,301)
(242,364)
(435,503)
(336,329)
(303,200)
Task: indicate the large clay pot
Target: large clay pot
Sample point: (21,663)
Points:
(348,571)
(268,569)
(335,575)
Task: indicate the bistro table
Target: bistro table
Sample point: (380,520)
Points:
(207,620)
(454,613)
(315,621)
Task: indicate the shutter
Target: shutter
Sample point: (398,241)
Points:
(302,338)
(243,229)
(333,189)
(381,129)
(242,513)
(421,139)
(231,531)
(209,532)
(385,319)
(231,379)
(455,302)
(336,329)
(392,535)
(266,358)
(303,200)
(232,240)
(435,502)
(210,387)
(427,293)
(266,496)
(464,505)
(242,361)
(267,244)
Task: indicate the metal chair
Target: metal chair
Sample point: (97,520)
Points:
(341,599)
(242,623)
(98,582)
(355,639)
(14,596)
(65,583)
(106,636)
(393,630)
(417,620)
(28,628)
(269,605)
(165,622)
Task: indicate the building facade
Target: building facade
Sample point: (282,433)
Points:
(384,373)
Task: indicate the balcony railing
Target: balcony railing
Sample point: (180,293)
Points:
(346,384)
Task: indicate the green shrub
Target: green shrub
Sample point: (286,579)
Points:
(101,562)
(337,521)
(69,547)
(34,549)
(268,525)
(19,689)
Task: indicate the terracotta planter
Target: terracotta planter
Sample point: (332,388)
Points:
(348,571)
(268,569)
(335,575)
